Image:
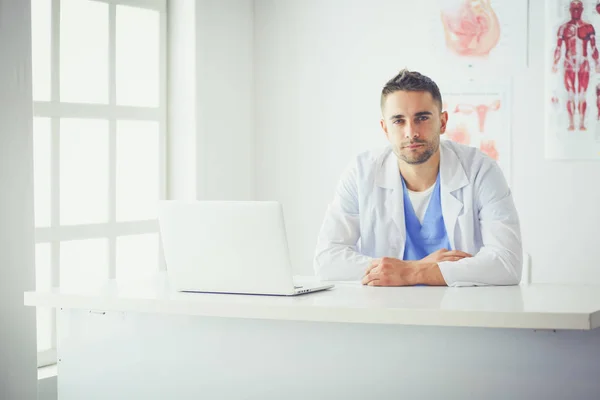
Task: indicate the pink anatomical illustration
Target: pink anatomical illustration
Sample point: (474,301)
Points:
(471,28)
(481,110)
(489,148)
(459,134)
(579,39)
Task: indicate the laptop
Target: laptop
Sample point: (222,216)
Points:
(237,247)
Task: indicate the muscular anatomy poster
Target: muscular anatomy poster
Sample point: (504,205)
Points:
(481,33)
(479,116)
(572,98)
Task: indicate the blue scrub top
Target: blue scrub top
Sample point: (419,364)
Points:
(430,236)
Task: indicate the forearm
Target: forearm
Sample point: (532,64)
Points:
(556,56)
(558,50)
(428,274)
(594,49)
(337,262)
(491,266)
(336,254)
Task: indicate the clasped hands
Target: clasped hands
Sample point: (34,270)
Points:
(388,271)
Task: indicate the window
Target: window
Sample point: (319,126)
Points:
(99,91)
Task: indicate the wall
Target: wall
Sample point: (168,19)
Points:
(211,111)
(48,388)
(17,328)
(319,68)
(181,107)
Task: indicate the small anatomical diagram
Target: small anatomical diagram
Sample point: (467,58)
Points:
(579,39)
(489,148)
(481,110)
(471,28)
(459,134)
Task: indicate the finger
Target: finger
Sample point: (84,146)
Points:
(446,258)
(366,279)
(457,253)
(374,264)
(369,277)
(375,282)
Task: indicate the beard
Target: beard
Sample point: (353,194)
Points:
(421,155)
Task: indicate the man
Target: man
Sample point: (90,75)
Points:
(421,211)
(577,35)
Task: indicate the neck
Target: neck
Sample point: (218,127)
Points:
(420,177)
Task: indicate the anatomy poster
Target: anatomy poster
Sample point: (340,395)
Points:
(572,71)
(479,116)
(480,33)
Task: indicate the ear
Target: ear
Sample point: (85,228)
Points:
(444,122)
(384,128)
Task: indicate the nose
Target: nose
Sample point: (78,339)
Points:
(410,130)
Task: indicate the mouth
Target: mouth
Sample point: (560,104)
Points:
(413,146)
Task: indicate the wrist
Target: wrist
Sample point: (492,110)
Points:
(420,271)
(428,273)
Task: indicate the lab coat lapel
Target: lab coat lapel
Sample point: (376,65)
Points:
(452,179)
(388,177)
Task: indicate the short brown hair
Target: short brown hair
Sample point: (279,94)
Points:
(411,81)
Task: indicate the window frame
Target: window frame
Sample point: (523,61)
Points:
(54,109)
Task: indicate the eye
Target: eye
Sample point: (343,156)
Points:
(398,122)
(423,118)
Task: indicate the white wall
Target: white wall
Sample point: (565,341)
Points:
(211,111)
(319,69)
(182,180)
(48,388)
(18,373)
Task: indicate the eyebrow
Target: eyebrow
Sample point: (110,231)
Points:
(419,114)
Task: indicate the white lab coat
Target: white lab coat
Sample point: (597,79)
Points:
(366,219)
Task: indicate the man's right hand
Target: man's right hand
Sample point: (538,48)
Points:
(445,255)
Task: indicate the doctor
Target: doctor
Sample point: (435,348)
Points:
(422,211)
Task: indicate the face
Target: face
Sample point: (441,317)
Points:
(576,9)
(413,123)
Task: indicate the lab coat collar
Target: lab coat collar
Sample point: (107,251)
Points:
(452,173)
(388,174)
(452,178)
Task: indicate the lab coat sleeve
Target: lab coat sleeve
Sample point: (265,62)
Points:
(336,255)
(499,261)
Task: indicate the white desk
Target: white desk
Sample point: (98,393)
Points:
(145,341)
